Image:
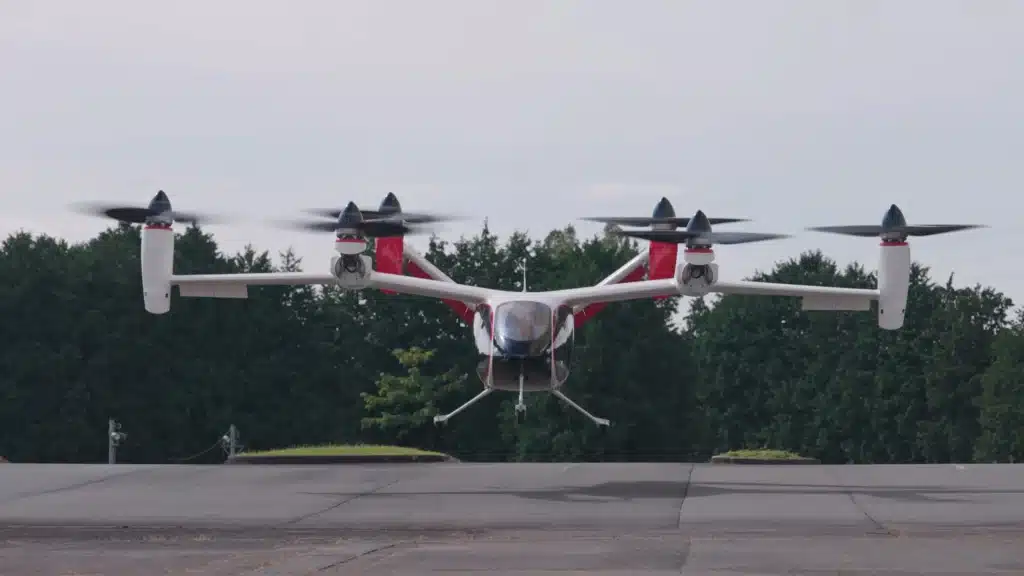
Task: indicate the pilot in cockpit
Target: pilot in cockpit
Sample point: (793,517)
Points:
(523,328)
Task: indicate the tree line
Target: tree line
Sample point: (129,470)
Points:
(307,365)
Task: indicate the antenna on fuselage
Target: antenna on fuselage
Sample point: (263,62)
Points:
(522,268)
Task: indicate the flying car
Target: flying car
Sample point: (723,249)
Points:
(525,338)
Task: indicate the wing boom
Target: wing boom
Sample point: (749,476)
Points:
(828,298)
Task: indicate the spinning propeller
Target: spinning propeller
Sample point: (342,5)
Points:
(894,227)
(390,208)
(663,217)
(157,212)
(698,233)
(351,222)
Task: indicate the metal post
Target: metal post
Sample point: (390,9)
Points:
(114,437)
(111,443)
(232,440)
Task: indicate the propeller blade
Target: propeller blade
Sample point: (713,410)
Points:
(195,217)
(409,217)
(669,236)
(332,213)
(933,229)
(368,228)
(159,206)
(726,238)
(651,221)
(132,214)
(895,224)
(874,231)
(866,230)
(386,228)
(310,226)
(684,236)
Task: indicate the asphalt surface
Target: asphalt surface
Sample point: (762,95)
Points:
(511,519)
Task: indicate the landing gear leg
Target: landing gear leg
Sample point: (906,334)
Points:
(594,419)
(442,418)
(521,406)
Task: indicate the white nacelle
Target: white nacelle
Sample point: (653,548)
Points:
(157,264)
(696,280)
(893,284)
(350,246)
(698,257)
(355,277)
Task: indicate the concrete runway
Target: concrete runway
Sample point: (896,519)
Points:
(511,519)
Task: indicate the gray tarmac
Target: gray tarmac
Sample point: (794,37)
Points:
(450,518)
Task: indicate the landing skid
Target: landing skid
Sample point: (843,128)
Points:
(594,419)
(521,407)
(442,418)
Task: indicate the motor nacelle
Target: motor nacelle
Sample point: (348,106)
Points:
(352,271)
(350,244)
(696,279)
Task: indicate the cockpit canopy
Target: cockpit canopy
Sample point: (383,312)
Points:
(521,329)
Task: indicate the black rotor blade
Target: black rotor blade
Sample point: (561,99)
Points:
(650,221)
(726,238)
(670,236)
(139,214)
(368,228)
(385,228)
(874,230)
(318,226)
(684,236)
(933,229)
(194,218)
(867,230)
(133,214)
(410,217)
(333,213)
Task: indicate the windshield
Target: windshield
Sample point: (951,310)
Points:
(522,328)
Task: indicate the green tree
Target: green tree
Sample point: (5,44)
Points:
(1001,401)
(403,406)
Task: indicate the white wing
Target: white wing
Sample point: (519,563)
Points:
(471,295)
(814,297)
(616,292)
(237,285)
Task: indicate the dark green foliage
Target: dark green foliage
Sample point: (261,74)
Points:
(301,365)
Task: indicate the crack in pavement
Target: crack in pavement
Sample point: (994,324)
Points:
(679,520)
(364,554)
(77,485)
(686,491)
(881,528)
(341,503)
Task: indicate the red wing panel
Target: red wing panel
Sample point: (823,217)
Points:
(590,310)
(662,261)
(390,256)
(464,312)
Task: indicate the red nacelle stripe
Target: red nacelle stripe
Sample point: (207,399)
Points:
(465,313)
(662,261)
(390,254)
(589,311)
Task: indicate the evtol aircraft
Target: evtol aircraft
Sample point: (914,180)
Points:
(525,339)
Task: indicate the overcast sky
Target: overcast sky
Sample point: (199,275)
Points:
(530,113)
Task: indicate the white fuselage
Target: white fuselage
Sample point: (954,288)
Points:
(523,343)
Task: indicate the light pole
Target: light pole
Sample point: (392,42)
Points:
(114,439)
